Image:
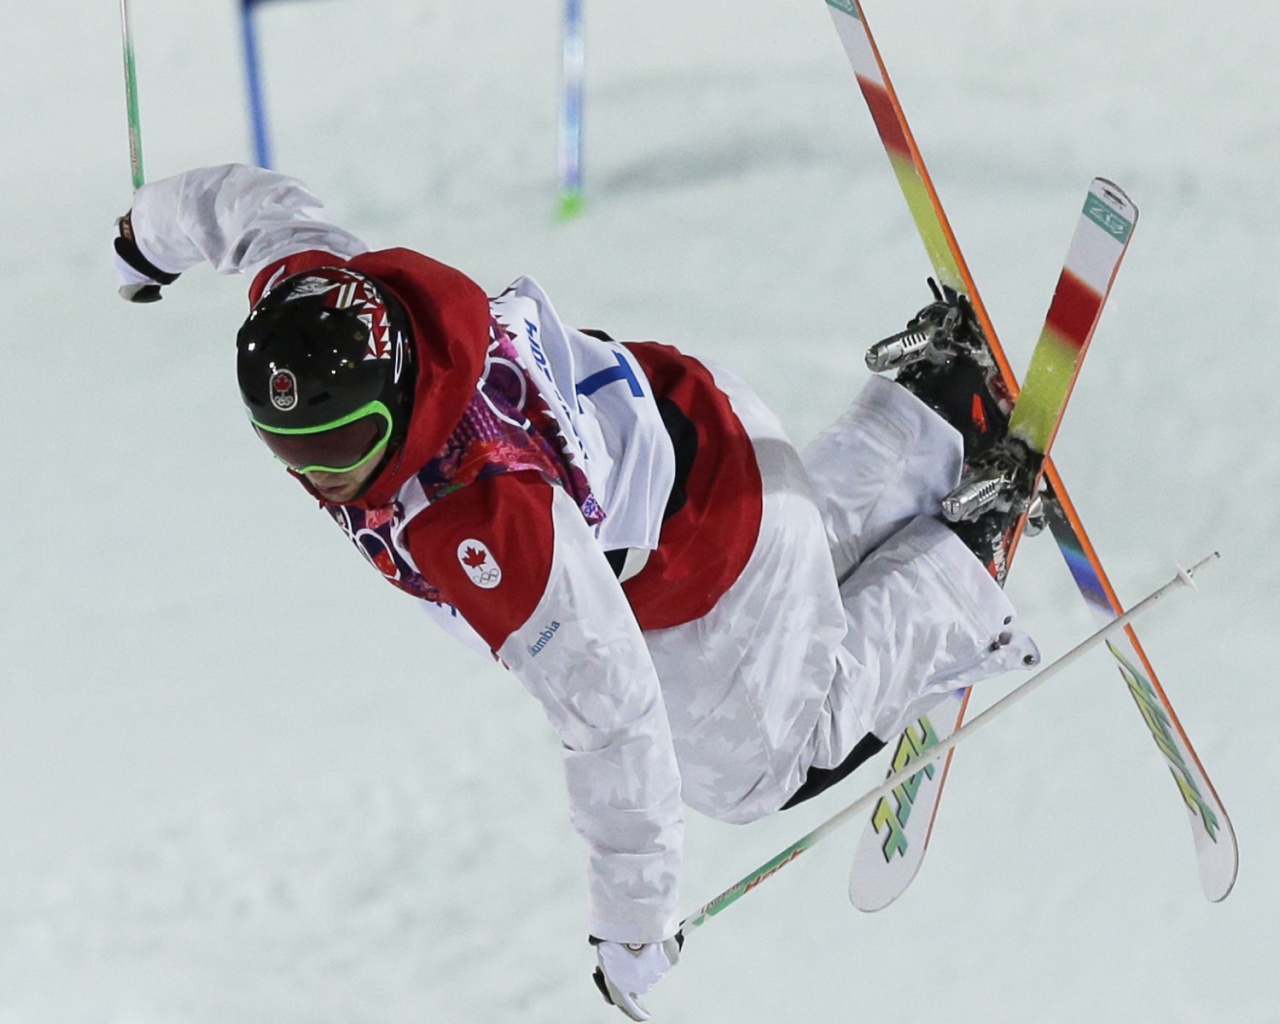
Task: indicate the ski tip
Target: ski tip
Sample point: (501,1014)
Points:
(1113,190)
(1106,191)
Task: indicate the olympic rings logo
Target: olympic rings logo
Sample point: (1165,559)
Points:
(478,563)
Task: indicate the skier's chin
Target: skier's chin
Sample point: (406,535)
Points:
(336,495)
(336,488)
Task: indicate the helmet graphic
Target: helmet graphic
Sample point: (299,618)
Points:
(324,365)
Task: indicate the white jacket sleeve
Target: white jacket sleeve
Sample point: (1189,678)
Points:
(583,656)
(237,218)
(518,561)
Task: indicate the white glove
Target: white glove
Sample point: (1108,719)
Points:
(140,279)
(627,971)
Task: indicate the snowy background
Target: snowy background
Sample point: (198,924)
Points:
(241,779)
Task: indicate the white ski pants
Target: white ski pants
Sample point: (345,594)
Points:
(856,611)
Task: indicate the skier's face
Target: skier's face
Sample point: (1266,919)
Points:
(337,488)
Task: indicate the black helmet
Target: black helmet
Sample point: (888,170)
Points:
(325,369)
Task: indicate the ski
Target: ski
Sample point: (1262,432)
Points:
(894,843)
(899,831)
(1217,855)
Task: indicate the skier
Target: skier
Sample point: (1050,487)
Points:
(708,616)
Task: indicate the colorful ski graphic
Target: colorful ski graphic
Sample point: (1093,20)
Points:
(1214,839)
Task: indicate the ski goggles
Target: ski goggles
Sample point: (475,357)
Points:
(338,447)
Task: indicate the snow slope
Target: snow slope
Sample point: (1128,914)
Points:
(241,780)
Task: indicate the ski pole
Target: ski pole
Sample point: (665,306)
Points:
(1185,578)
(131,98)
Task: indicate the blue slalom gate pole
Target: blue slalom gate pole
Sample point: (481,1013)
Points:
(253,72)
(570,169)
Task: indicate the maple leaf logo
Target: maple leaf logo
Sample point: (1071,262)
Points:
(478,563)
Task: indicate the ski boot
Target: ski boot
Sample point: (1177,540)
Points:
(943,360)
(998,490)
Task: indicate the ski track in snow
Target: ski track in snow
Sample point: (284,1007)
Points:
(242,780)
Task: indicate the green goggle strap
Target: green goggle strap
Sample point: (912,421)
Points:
(368,409)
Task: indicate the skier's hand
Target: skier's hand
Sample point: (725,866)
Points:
(140,279)
(628,971)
